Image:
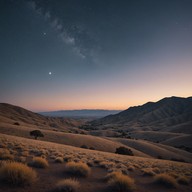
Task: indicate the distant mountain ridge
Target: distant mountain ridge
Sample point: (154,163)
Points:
(173,114)
(80,113)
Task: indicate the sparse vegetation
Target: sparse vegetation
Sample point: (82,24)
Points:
(112,175)
(67,185)
(148,172)
(165,180)
(124,151)
(17,174)
(121,183)
(183,180)
(36,134)
(78,169)
(58,160)
(39,162)
(84,147)
(5,155)
(16,123)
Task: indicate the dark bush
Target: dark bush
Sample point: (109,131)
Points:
(84,147)
(159,157)
(124,151)
(179,160)
(36,133)
(16,123)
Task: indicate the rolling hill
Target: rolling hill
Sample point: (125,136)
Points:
(13,116)
(172,114)
(19,122)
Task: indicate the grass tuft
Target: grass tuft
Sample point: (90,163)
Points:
(5,155)
(120,183)
(78,169)
(183,180)
(39,162)
(17,174)
(165,180)
(58,160)
(67,185)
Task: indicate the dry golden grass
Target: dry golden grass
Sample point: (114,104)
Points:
(68,158)
(183,180)
(95,157)
(165,180)
(20,159)
(25,153)
(148,172)
(67,185)
(39,162)
(112,175)
(58,160)
(78,169)
(17,174)
(121,183)
(5,155)
(106,164)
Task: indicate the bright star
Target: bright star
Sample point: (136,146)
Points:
(50,73)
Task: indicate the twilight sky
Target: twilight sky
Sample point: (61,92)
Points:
(100,54)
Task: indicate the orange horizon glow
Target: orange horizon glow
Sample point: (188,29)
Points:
(119,105)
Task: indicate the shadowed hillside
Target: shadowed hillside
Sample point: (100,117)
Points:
(172,114)
(14,115)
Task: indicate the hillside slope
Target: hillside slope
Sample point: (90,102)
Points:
(172,114)
(14,115)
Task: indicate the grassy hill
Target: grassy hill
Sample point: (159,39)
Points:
(172,114)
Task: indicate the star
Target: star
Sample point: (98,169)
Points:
(50,73)
(44,33)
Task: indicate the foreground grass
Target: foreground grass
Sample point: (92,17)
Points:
(165,180)
(39,162)
(120,183)
(111,162)
(67,185)
(17,174)
(78,169)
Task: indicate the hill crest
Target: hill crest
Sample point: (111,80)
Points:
(165,115)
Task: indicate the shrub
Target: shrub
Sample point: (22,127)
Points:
(84,147)
(68,158)
(78,169)
(165,180)
(20,159)
(36,133)
(124,151)
(183,180)
(58,160)
(121,183)
(67,185)
(112,175)
(17,174)
(39,162)
(148,172)
(5,155)
(16,123)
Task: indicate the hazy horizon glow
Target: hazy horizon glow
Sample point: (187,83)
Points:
(86,54)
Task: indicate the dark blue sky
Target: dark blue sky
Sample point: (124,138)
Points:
(101,53)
